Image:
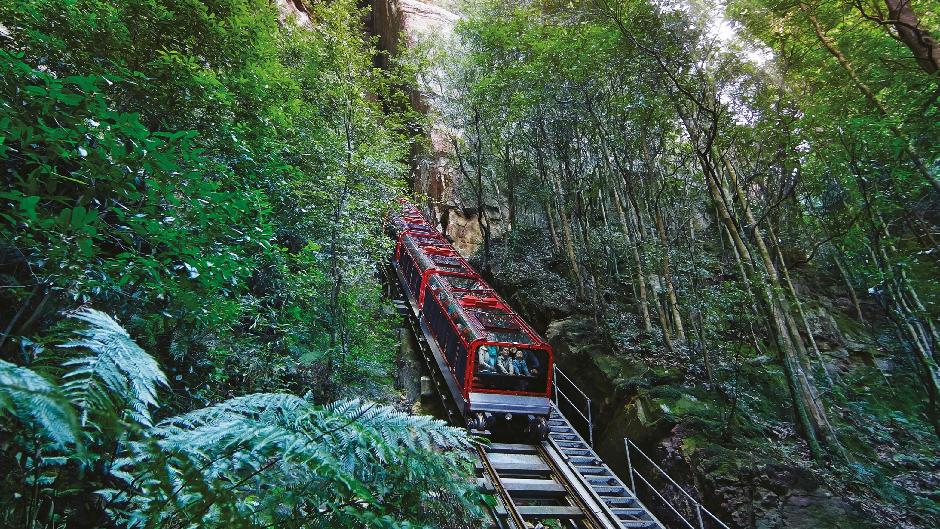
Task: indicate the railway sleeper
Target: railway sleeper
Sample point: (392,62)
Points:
(544,512)
(508,469)
(524,488)
(510,448)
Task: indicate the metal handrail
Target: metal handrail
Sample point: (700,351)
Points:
(588,417)
(695,504)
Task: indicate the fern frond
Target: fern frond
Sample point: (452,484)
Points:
(33,399)
(347,453)
(118,367)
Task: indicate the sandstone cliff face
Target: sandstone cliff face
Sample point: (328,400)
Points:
(399,24)
(414,24)
(294,9)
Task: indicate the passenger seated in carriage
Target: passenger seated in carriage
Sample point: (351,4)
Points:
(519,364)
(488,357)
(532,362)
(504,366)
(510,361)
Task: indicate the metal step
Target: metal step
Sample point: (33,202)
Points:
(604,481)
(617,501)
(629,511)
(615,491)
(584,461)
(593,471)
(572,452)
(638,523)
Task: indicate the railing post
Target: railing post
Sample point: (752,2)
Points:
(555,383)
(698,512)
(590,424)
(626,445)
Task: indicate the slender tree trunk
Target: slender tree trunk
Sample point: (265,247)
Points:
(550,215)
(642,302)
(667,277)
(799,307)
(805,404)
(837,259)
(811,402)
(510,185)
(567,238)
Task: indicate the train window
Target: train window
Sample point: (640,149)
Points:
(466,283)
(495,319)
(506,368)
(510,337)
(447,262)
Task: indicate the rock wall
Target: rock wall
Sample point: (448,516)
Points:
(635,398)
(412,23)
(294,9)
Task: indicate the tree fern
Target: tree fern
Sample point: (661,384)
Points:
(340,464)
(118,373)
(259,460)
(33,399)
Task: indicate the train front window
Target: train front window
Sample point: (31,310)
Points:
(510,368)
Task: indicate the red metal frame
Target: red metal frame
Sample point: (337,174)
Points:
(416,225)
(492,301)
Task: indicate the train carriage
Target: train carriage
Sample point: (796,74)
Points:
(470,326)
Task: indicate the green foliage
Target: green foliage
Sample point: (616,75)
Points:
(118,367)
(216,177)
(252,461)
(33,399)
(708,199)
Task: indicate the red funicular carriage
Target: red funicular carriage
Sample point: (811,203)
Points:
(472,332)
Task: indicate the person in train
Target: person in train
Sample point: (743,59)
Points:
(504,365)
(519,364)
(532,362)
(489,355)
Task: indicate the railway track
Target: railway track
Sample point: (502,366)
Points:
(560,482)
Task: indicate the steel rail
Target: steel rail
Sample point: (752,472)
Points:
(577,494)
(500,488)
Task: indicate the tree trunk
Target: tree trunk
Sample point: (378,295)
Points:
(836,257)
(803,395)
(803,385)
(925,48)
(642,302)
(667,277)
